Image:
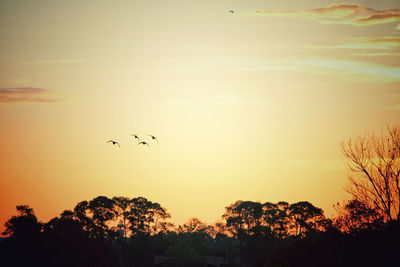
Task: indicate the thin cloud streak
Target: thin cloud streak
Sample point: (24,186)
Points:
(25,94)
(394,108)
(352,14)
(373,43)
(354,67)
(374,54)
(54,61)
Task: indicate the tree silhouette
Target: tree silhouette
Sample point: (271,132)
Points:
(24,231)
(275,216)
(243,217)
(305,217)
(81,215)
(192,225)
(65,240)
(192,244)
(102,211)
(23,226)
(255,234)
(121,207)
(144,216)
(246,218)
(374,162)
(355,216)
(95,215)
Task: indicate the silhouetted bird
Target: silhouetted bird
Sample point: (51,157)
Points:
(143,143)
(136,137)
(231,11)
(153,137)
(113,142)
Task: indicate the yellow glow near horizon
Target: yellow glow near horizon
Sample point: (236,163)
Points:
(244,107)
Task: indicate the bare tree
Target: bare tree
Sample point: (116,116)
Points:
(374,162)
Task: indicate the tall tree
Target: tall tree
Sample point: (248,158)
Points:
(121,207)
(23,226)
(145,216)
(243,217)
(275,216)
(95,215)
(245,221)
(192,225)
(374,162)
(102,211)
(305,217)
(25,246)
(82,216)
(191,245)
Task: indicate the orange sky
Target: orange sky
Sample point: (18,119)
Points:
(246,106)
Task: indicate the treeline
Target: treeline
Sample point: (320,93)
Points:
(120,231)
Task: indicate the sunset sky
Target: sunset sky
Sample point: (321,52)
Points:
(250,105)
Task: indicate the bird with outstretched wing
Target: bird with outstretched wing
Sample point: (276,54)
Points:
(153,137)
(136,137)
(113,142)
(143,143)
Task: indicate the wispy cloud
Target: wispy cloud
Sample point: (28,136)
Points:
(374,43)
(366,46)
(354,67)
(352,14)
(25,94)
(374,54)
(54,61)
(393,107)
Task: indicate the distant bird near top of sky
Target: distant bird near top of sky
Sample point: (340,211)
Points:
(143,143)
(113,142)
(136,137)
(153,137)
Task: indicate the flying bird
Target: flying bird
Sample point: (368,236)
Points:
(136,137)
(113,142)
(153,137)
(143,143)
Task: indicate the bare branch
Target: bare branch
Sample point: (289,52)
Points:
(374,161)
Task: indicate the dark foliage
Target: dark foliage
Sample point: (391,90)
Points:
(134,232)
